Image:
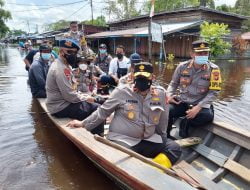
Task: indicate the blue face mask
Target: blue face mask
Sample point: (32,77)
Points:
(46,56)
(201,60)
(102,51)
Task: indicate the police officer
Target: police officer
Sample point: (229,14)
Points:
(38,72)
(63,100)
(199,83)
(140,117)
(79,38)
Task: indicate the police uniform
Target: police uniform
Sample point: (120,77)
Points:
(196,87)
(139,122)
(79,38)
(63,100)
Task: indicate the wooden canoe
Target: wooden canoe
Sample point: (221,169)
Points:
(127,171)
(220,162)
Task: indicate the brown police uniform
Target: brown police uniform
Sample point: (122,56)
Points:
(139,122)
(196,87)
(63,100)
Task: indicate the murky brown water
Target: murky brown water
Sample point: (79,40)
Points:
(35,155)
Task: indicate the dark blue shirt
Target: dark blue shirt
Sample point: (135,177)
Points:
(37,78)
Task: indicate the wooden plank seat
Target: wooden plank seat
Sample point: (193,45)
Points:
(195,175)
(223,161)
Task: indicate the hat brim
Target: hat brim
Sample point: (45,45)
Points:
(145,74)
(201,50)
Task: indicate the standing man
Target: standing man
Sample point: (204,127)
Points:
(128,78)
(63,100)
(140,117)
(103,60)
(79,38)
(38,72)
(119,66)
(199,83)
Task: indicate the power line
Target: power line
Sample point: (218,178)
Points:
(22,4)
(48,7)
(75,11)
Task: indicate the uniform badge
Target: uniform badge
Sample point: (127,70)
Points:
(131,107)
(185,72)
(155,99)
(215,80)
(202,45)
(67,73)
(68,43)
(141,67)
(131,115)
(155,119)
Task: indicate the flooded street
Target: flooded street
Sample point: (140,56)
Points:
(35,155)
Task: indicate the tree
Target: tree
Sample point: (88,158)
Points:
(17,32)
(213,33)
(225,8)
(243,7)
(121,9)
(57,25)
(99,21)
(4,16)
(169,5)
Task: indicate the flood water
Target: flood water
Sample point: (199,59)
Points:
(35,155)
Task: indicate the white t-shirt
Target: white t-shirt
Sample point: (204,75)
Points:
(125,63)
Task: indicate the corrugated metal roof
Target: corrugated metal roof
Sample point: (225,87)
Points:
(140,32)
(177,11)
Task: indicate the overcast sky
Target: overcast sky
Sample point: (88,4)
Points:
(35,13)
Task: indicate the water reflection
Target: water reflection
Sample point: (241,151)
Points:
(67,166)
(35,155)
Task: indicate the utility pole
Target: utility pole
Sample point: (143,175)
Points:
(91,5)
(28,23)
(37,28)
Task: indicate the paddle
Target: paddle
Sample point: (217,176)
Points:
(148,161)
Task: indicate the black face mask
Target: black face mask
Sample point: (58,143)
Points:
(142,84)
(71,59)
(119,55)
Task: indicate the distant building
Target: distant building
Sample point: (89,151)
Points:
(179,28)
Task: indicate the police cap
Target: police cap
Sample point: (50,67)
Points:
(44,47)
(68,43)
(135,58)
(200,45)
(143,69)
(103,46)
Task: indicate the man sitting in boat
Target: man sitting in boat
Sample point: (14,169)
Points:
(38,72)
(199,83)
(63,100)
(140,116)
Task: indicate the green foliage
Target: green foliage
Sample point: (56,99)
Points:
(57,25)
(17,32)
(121,9)
(225,8)
(4,16)
(213,33)
(169,5)
(56,49)
(99,21)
